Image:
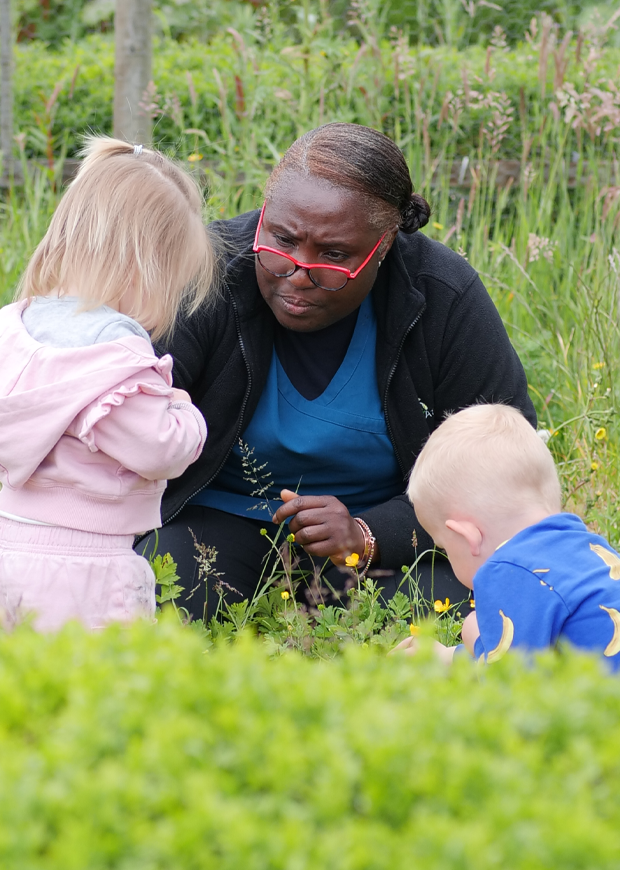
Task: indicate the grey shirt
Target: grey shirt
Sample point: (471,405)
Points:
(58,322)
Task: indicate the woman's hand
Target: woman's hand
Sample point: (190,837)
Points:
(322,526)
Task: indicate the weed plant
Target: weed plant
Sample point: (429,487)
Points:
(289,610)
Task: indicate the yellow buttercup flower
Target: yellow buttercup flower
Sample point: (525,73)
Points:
(352,560)
(601,434)
(285,595)
(594,466)
(290,538)
(442,606)
(414,631)
(437,226)
(472,603)
(194,158)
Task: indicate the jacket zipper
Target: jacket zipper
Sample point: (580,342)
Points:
(389,380)
(243,407)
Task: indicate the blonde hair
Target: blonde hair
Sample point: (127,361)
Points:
(128,228)
(486,459)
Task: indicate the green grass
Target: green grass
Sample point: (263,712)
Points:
(25,213)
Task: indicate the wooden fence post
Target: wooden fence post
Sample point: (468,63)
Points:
(132,69)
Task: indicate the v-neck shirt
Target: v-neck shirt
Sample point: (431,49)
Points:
(336,444)
(311,359)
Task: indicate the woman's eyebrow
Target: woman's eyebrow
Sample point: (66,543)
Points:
(274,226)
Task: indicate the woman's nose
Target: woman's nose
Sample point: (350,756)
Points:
(300,279)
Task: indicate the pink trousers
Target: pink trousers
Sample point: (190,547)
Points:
(59,574)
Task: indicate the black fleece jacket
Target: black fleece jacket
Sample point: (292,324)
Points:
(441,346)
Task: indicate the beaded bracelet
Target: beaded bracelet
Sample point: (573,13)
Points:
(370,543)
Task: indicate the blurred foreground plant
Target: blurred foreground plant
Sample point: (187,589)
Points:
(131,748)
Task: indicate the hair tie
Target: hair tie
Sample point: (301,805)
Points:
(137,150)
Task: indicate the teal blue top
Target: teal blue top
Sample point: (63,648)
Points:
(336,444)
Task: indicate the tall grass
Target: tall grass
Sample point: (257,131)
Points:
(544,235)
(25,212)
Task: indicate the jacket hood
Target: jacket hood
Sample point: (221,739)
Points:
(43,388)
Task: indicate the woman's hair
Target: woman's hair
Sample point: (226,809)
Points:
(362,160)
(485,459)
(128,228)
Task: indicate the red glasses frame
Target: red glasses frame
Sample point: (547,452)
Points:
(308,266)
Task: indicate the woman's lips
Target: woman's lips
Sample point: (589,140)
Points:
(296,304)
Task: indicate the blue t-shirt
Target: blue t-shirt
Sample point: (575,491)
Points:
(554,580)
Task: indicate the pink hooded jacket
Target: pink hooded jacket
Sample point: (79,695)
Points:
(89,435)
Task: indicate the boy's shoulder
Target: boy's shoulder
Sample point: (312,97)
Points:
(563,554)
(553,581)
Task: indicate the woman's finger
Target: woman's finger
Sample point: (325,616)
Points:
(311,533)
(297,503)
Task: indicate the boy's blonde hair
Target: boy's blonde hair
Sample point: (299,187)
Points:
(485,460)
(129,227)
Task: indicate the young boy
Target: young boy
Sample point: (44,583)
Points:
(486,489)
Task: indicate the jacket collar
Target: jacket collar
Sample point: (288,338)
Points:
(398,303)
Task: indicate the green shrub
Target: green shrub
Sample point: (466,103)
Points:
(56,21)
(134,749)
(426,21)
(80,81)
(460,24)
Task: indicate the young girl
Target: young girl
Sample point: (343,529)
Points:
(90,425)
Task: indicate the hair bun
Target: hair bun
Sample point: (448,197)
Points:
(415,214)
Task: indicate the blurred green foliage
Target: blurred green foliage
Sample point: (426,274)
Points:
(57,21)
(132,748)
(430,22)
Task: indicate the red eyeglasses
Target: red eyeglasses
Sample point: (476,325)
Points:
(325,277)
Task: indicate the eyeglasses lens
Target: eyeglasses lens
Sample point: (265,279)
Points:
(328,279)
(282,267)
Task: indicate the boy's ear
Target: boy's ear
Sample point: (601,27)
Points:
(469,531)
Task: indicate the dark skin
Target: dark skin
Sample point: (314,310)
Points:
(316,222)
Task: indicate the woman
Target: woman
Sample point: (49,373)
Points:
(342,340)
